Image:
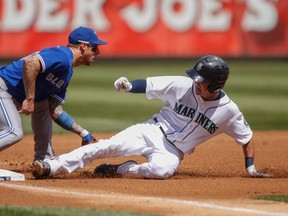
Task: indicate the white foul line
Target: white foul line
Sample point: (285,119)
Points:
(179,201)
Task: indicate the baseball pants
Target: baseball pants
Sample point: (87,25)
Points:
(145,139)
(11,130)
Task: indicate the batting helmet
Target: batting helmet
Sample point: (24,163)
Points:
(212,70)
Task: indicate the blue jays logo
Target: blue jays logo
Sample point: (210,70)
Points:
(55,80)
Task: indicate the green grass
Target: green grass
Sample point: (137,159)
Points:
(59,211)
(278,198)
(259,88)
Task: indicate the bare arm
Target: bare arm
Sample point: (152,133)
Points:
(64,120)
(55,109)
(249,153)
(31,69)
(248,149)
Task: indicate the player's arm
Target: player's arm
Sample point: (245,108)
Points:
(64,120)
(249,152)
(31,69)
(135,86)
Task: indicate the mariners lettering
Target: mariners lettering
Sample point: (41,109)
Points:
(184,110)
(55,80)
(206,123)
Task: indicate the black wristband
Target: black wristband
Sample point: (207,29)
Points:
(249,161)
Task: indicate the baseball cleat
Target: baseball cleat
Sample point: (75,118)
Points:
(110,170)
(41,169)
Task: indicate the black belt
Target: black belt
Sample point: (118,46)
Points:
(162,130)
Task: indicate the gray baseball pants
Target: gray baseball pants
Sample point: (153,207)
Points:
(11,130)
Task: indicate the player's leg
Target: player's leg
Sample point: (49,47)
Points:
(163,158)
(129,142)
(11,130)
(162,163)
(42,128)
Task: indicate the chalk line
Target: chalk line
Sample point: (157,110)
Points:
(159,199)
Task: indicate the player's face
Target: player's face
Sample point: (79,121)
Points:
(91,54)
(201,89)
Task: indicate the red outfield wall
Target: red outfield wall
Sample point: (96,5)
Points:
(149,28)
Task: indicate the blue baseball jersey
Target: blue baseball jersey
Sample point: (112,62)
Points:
(52,80)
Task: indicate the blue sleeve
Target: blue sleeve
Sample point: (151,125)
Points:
(53,59)
(57,71)
(138,86)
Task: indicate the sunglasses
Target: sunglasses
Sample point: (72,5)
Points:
(94,48)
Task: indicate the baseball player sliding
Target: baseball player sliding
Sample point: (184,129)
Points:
(195,110)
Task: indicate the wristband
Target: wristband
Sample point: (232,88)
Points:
(138,86)
(249,161)
(88,138)
(84,133)
(65,120)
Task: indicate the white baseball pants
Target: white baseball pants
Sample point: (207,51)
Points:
(145,139)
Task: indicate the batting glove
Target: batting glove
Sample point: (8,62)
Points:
(254,173)
(123,84)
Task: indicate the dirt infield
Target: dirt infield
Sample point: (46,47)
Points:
(211,181)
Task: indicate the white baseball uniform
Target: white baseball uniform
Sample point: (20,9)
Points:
(184,122)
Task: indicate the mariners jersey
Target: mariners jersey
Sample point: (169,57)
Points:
(52,81)
(188,120)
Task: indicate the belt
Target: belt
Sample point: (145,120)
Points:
(162,130)
(165,135)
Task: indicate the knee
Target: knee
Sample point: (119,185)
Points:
(163,172)
(18,134)
(160,172)
(11,137)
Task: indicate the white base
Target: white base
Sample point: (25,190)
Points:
(6,175)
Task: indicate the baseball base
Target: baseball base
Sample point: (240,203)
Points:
(6,175)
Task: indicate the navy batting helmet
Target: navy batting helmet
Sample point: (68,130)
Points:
(212,70)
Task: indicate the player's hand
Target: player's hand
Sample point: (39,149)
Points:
(27,107)
(254,173)
(123,84)
(88,139)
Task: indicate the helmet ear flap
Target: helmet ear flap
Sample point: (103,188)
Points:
(213,89)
